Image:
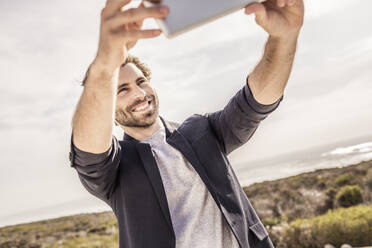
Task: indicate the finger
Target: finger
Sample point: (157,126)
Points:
(113,6)
(140,22)
(251,8)
(286,2)
(291,2)
(152,1)
(259,10)
(133,35)
(281,3)
(137,14)
(141,5)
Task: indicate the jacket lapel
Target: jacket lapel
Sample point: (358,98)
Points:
(153,173)
(178,141)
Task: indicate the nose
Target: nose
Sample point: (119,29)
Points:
(139,94)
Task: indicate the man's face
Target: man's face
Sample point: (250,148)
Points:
(137,103)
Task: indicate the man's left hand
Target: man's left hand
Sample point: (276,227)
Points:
(279,18)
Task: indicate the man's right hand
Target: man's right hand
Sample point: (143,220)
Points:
(120,30)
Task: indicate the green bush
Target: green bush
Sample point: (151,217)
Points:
(343,179)
(343,225)
(322,182)
(270,221)
(349,195)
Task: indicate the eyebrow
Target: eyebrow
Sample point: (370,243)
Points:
(126,84)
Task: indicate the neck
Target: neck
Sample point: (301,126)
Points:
(143,133)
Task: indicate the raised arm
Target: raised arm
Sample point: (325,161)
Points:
(235,124)
(92,123)
(93,120)
(282,20)
(264,88)
(95,152)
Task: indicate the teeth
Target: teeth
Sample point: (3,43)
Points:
(142,107)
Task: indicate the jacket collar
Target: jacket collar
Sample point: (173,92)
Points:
(169,129)
(152,170)
(176,139)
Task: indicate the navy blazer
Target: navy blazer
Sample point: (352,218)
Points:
(127,178)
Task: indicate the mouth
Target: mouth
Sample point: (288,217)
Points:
(143,107)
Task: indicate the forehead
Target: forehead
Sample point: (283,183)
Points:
(129,73)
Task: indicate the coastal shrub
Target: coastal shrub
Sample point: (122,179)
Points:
(329,201)
(290,195)
(309,181)
(369,179)
(343,179)
(349,195)
(270,221)
(331,192)
(338,226)
(322,182)
(305,181)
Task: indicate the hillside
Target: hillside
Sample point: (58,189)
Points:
(284,206)
(308,194)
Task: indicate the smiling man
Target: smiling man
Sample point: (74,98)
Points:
(170,184)
(144,110)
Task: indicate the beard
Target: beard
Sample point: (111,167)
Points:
(126,117)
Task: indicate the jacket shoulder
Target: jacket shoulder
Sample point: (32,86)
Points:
(195,126)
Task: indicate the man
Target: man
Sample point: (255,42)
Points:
(171,184)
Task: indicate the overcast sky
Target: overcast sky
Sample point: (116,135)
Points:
(46,47)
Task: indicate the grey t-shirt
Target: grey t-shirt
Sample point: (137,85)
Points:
(196,218)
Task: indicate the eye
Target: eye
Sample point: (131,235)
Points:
(122,89)
(142,81)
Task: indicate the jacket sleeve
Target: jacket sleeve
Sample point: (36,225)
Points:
(97,172)
(235,124)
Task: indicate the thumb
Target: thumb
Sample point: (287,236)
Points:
(259,10)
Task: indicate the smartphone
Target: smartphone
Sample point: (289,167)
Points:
(185,15)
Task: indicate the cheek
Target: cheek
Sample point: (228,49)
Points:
(122,103)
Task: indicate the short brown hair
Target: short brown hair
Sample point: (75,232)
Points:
(130,59)
(140,65)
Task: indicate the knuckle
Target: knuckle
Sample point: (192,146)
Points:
(115,34)
(130,34)
(130,12)
(105,30)
(107,24)
(156,10)
(110,34)
(124,37)
(103,13)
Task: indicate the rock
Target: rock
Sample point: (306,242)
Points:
(346,246)
(329,246)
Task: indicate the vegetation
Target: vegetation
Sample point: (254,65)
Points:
(305,211)
(343,225)
(349,195)
(314,193)
(343,179)
(78,231)
(369,180)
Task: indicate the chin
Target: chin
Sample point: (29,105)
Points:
(146,119)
